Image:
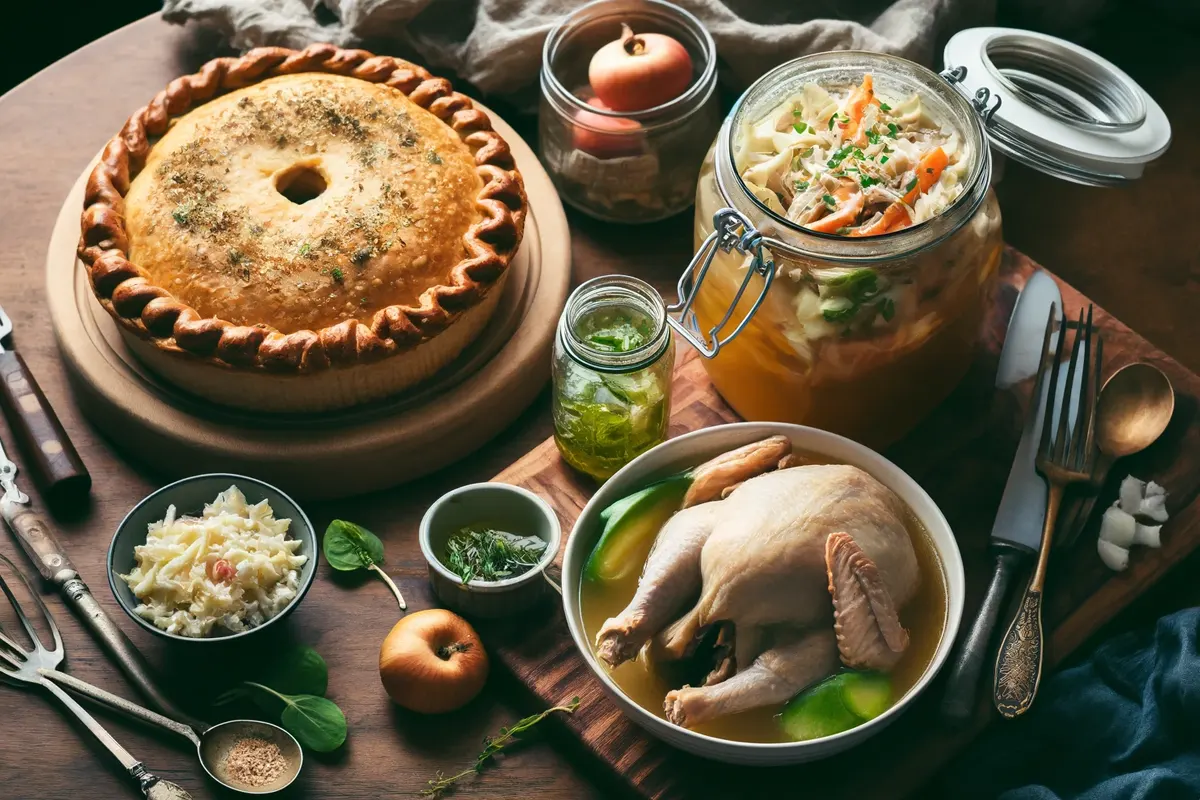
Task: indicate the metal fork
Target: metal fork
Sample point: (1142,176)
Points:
(18,664)
(1064,457)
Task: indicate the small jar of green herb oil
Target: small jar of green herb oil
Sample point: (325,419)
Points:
(613,361)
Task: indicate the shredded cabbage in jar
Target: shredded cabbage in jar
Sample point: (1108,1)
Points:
(233,566)
(850,163)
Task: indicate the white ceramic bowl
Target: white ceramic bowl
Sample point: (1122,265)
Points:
(692,449)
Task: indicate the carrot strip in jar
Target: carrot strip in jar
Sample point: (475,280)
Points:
(845,214)
(896,216)
(856,105)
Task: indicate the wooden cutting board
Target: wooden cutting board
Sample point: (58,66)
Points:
(961,455)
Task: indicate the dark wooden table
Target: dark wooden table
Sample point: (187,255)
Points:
(1134,250)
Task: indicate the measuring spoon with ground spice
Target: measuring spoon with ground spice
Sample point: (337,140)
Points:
(247,756)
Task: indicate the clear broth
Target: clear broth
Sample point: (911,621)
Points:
(924,617)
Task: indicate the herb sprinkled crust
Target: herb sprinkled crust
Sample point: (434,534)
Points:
(199,233)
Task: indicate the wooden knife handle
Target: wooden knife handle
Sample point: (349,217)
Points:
(962,689)
(53,463)
(1019,663)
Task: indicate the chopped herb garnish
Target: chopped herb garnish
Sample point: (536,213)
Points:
(236,257)
(839,156)
(929,170)
(801,186)
(892,130)
(842,231)
(911,185)
(832,120)
(807,152)
(868,181)
(884,107)
(872,137)
(361,255)
(337,274)
(883,160)
(432,157)
(799,127)
(829,201)
(796,112)
(305,249)
(486,554)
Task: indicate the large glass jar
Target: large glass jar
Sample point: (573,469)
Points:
(872,382)
(613,360)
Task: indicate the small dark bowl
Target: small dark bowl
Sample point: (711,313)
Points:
(189,497)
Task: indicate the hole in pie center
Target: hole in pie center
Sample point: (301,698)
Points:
(300,183)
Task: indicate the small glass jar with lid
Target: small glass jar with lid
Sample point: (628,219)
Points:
(632,166)
(864,335)
(613,360)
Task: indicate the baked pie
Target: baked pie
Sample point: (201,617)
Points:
(302,231)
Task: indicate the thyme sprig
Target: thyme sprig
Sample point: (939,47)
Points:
(440,784)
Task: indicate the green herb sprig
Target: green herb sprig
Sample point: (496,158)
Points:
(491,555)
(440,784)
(348,547)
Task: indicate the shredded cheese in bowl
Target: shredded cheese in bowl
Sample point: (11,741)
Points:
(234,567)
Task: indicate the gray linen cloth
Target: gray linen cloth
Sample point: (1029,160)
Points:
(496,44)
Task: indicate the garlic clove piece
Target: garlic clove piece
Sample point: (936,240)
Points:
(1114,557)
(1154,507)
(1131,493)
(1147,535)
(1117,527)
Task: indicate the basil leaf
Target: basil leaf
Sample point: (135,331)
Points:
(349,547)
(317,723)
(299,671)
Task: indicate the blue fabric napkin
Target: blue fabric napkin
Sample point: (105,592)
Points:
(1123,725)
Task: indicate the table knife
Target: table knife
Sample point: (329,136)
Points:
(33,532)
(1017,530)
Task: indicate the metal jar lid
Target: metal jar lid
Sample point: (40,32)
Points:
(1056,106)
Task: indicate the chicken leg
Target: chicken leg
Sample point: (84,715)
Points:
(775,677)
(669,580)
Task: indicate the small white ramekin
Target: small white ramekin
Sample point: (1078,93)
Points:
(503,507)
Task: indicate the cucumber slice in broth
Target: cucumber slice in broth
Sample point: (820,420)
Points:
(866,694)
(630,527)
(817,712)
(836,704)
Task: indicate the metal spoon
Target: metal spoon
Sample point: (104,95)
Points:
(1135,407)
(212,742)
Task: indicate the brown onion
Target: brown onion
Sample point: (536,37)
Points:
(432,662)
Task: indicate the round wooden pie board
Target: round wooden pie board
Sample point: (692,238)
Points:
(338,453)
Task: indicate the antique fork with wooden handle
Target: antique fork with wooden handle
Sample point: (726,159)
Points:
(1064,457)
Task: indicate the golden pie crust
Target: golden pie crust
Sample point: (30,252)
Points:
(302,231)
